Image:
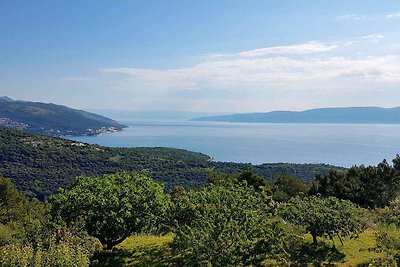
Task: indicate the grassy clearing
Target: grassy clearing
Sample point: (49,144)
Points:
(357,251)
(149,250)
(145,250)
(141,241)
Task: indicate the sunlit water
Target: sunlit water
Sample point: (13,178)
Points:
(337,144)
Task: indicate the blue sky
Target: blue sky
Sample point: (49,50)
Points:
(214,56)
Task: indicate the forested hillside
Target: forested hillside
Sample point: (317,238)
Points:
(39,165)
(51,119)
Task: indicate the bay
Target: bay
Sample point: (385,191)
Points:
(336,144)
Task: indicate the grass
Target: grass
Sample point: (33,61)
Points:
(142,250)
(357,251)
(154,251)
(137,242)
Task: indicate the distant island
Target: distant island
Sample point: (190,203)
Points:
(359,115)
(51,119)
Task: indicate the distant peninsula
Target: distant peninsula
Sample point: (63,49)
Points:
(51,119)
(356,115)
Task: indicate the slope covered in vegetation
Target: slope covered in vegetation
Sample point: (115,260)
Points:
(52,119)
(41,164)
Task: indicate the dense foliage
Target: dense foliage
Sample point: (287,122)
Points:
(371,186)
(39,165)
(287,186)
(231,225)
(225,214)
(28,237)
(323,217)
(234,220)
(113,207)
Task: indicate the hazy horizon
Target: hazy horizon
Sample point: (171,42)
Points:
(188,112)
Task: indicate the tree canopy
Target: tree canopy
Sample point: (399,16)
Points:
(224,225)
(323,217)
(113,206)
(371,186)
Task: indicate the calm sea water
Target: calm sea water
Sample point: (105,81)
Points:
(337,144)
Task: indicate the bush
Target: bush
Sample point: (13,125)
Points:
(56,255)
(15,255)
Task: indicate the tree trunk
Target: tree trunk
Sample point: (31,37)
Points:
(110,245)
(314,239)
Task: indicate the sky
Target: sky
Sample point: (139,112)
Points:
(201,56)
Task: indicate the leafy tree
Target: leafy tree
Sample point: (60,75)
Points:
(218,178)
(372,186)
(28,238)
(246,177)
(252,179)
(288,186)
(113,206)
(13,204)
(18,215)
(225,225)
(323,217)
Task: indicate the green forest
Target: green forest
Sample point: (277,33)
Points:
(85,205)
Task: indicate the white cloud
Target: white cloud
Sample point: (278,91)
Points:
(373,37)
(351,17)
(267,74)
(308,48)
(262,68)
(394,15)
(299,49)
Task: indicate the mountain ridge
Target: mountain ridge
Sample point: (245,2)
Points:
(367,115)
(53,119)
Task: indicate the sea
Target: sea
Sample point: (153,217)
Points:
(336,144)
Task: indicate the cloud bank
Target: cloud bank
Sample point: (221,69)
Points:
(260,75)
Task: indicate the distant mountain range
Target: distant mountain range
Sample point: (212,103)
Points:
(361,115)
(51,119)
(150,115)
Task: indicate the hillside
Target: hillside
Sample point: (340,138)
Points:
(39,165)
(367,115)
(51,119)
